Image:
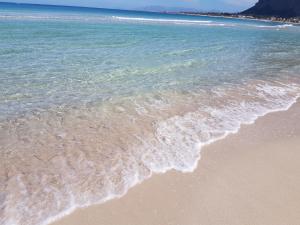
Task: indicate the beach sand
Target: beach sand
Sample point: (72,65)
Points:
(249,178)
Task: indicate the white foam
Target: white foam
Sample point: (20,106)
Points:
(171,21)
(182,137)
(178,140)
(284,26)
(161,20)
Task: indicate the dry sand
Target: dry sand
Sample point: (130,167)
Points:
(250,178)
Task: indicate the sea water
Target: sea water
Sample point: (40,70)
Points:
(94,101)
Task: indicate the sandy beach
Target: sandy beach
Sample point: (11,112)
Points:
(249,178)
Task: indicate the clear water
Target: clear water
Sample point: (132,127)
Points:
(93,101)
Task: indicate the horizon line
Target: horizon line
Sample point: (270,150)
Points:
(95,8)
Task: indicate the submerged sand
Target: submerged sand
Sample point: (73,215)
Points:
(250,178)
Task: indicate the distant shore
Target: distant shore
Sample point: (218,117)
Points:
(293,20)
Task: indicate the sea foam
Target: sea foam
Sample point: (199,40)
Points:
(62,161)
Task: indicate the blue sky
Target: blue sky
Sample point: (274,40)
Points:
(206,5)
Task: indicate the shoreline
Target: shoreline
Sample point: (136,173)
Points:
(294,21)
(236,114)
(83,214)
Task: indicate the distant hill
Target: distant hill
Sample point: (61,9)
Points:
(156,8)
(279,8)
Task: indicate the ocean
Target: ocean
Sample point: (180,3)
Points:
(95,101)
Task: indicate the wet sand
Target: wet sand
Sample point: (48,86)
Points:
(249,178)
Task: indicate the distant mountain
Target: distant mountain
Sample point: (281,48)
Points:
(279,8)
(157,8)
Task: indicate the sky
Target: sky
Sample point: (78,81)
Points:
(201,5)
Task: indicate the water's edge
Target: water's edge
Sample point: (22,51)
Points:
(137,182)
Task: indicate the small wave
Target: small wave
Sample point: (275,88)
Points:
(161,20)
(58,17)
(182,137)
(171,21)
(53,17)
(284,26)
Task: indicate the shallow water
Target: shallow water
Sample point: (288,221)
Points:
(93,102)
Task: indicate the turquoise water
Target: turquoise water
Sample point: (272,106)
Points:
(54,56)
(93,101)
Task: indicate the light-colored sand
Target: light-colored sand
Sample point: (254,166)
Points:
(251,178)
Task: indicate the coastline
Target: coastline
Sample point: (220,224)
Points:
(295,21)
(243,178)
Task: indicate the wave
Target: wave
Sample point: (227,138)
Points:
(162,20)
(53,16)
(182,137)
(58,161)
(283,26)
(105,19)
(172,21)
(110,19)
